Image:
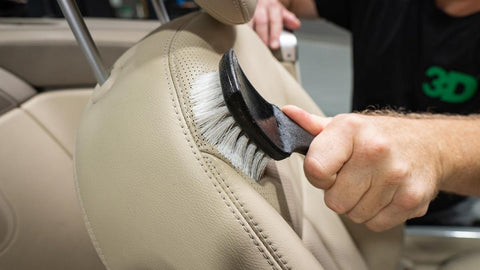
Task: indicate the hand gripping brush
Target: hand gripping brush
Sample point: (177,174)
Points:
(240,123)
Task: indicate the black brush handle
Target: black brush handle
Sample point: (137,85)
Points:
(294,138)
(264,123)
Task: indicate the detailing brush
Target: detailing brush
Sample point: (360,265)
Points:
(244,127)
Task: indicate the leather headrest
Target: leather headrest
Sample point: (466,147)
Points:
(229,12)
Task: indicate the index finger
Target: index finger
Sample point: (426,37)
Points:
(261,23)
(312,123)
(276,26)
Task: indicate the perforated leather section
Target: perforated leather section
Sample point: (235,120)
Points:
(192,56)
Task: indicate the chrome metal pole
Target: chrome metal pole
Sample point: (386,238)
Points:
(161,11)
(80,31)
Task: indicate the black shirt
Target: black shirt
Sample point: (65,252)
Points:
(410,55)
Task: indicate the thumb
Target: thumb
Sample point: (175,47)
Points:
(314,124)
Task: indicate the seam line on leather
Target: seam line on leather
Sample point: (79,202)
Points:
(232,196)
(243,9)
(192,148)
(327,247)
(168,69)
(237,7)
(260,246)
(88,225)
(217,185)
(49,133)
(271,248)
(266,242)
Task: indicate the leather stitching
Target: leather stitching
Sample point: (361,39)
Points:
(197,156)
(243,9)
(245,228)
(237,6)
(168,69)
(172,87)
(252,221)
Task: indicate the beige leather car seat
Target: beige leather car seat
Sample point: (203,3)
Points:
(41,225)
(156,195)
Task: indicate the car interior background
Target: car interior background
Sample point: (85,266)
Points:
(153,194)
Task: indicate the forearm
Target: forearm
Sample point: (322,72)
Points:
(459,147)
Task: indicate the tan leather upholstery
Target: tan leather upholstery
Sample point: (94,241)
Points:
(59,112)
(229,12)
(50,43)
(41,225)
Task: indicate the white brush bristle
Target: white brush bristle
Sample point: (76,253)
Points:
(220,129)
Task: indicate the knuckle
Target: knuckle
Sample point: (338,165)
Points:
(355,217)
(397,174)
(374,147)
(399,171)
(333,203)
(379,145)
(421,212)
(410,199)
(350,121)
(261,18)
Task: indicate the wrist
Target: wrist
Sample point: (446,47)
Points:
(444,147)
(454,143)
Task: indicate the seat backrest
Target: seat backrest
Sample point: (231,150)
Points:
(157,196)
(41,226)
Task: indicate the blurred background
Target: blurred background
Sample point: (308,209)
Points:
(324,49)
